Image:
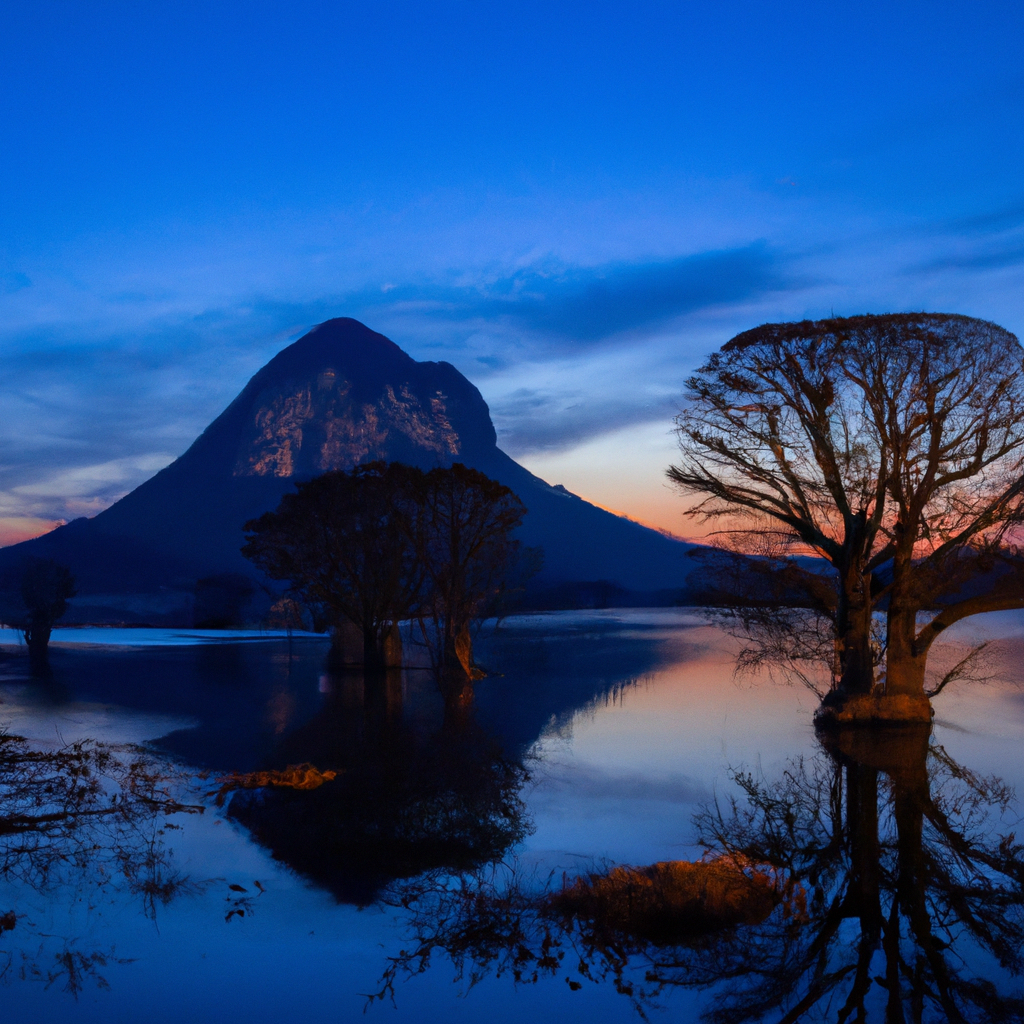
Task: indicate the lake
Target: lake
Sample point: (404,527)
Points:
(600,738)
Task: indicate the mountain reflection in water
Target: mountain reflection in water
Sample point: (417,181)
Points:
(408,785)
(897,898)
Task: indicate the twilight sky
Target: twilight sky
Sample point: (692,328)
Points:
(572,202)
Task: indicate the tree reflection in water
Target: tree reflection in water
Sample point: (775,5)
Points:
(84,818)
(406,796)
(897,899)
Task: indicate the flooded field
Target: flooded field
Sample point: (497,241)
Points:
(410,867)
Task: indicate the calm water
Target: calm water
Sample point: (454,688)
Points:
(628,724)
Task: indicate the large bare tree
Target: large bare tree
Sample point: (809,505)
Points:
(890,446)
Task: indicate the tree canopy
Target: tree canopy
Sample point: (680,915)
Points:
(464,540)
(343,541)
(890,446)
(34,599)
(384,543)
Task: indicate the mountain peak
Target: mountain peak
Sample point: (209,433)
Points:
(340,341)
(342,395)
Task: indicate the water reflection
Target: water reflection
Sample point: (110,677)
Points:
(407,793)
(76,824)
(889,892)
(417,787)
(914,900)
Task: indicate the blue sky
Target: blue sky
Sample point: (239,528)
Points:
(573,203)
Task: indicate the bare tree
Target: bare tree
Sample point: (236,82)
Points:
(463,536)
(890,446)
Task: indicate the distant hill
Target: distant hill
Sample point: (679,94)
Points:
(340,395)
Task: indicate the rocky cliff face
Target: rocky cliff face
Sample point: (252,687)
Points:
(343,395)
(316,426)
(339,396)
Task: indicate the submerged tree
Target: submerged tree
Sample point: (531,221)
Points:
(44,588)
(463,535)
(343,542)
(890,446)
(388,542)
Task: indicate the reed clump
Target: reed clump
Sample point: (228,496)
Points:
(674,901)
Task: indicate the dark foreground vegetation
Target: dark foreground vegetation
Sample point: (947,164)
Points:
(82,818)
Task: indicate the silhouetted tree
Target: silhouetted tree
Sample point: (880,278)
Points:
(891,446)
(343,541)
(44,588)
(462,534)
(387,542)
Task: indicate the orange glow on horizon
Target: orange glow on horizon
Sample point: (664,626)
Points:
(15,529)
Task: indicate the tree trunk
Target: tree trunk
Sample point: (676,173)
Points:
(904,662)
(857,700)
(346,645)
(911,794)
(37,639)
(855,668)
(853,628)
(455,671)
(375,649)
(865,850)
(901,754)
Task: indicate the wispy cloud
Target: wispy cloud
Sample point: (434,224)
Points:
(564,351)
(988,258)
(589,304)
(142,371)
(1004,218)
(574,305)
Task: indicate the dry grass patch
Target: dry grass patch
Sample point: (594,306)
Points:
(295,776)
(674,901)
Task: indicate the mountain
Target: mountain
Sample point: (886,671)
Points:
(340,395)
